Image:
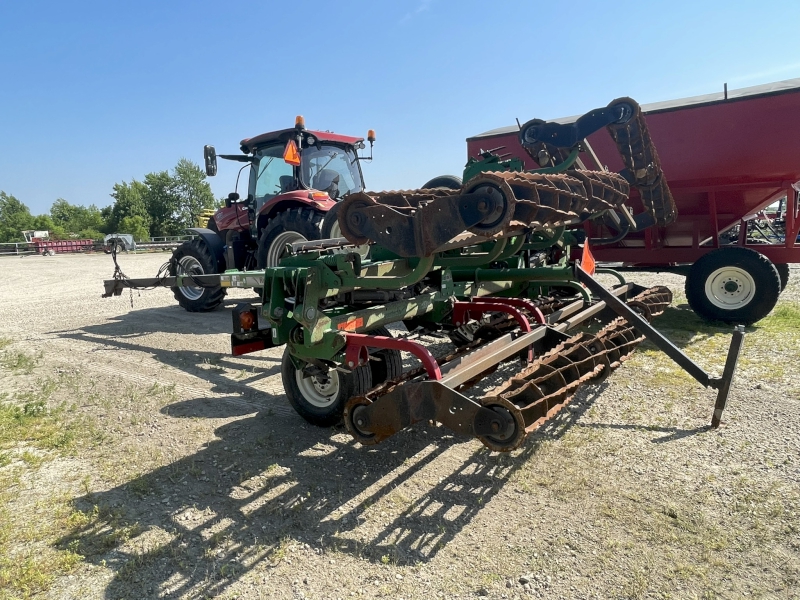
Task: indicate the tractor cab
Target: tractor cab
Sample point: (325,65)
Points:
(325,166)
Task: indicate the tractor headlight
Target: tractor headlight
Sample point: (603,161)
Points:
(311,140)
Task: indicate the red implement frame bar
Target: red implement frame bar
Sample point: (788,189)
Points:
(357,351)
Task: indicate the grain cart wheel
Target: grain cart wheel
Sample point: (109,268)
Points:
(332,230)
(783,272)
(733,285)
(450,182)
(193,257)
(288,227)
(390,365)
(319,395)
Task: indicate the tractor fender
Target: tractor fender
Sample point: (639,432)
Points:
(295,199)
(215,246)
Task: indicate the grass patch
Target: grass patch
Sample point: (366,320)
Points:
(35,428)
(19,362)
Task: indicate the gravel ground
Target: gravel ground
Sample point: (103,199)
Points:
(206,484)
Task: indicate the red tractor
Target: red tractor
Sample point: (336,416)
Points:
(296,178)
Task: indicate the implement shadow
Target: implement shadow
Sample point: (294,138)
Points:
(129,332)
(200,524)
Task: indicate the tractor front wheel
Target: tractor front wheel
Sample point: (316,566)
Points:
(193,257)
(733,285)
(319,394)
(288,227)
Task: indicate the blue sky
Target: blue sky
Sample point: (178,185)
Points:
(93,93)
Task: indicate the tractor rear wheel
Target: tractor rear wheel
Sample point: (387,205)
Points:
(288,227)
(450,182)
(319,395)
(733,285)
(193,257)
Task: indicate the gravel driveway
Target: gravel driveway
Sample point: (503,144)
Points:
(195,479)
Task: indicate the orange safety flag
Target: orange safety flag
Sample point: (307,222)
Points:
(587,260)
(290,154)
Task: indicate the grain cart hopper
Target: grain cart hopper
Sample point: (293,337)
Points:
(728,156)
(490,265)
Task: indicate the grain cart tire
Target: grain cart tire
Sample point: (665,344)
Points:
(194,257)
(734,285)
(320,398)
(783,272)
(287,227)
(450,182)
(390,365)
(332,230)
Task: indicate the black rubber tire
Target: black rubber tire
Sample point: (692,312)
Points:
(304,221)
(211,296)
(391,364)
(750,269)
(783,273)
(450,182)
(330,219)
(355,383)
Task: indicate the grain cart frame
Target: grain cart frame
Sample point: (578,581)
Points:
(490,264)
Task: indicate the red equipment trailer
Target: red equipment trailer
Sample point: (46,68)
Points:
(727,157)
(40,243)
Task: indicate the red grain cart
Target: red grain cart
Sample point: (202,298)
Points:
(727,157)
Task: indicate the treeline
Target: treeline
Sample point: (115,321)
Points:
(164,203)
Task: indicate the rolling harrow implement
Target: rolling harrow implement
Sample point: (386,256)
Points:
(487,265)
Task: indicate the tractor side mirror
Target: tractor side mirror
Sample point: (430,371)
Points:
(210,156)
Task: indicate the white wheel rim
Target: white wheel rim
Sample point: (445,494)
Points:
(277,248)
(336,232)
(730,288)
(320,391)
(189,265)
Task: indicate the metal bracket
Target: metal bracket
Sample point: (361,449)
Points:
(723,384)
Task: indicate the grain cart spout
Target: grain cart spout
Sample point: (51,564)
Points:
(487,265)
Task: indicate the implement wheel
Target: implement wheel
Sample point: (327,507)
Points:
(193,257)
(733,285)
(319,395)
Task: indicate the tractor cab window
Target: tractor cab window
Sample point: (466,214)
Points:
(271,175)
(331,169)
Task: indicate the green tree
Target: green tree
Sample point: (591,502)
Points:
(129,201)
(163,204)
(86,222)
(168,202)
(14,218)
(136,226)
(193,190)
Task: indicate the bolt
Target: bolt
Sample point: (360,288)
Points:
(482,205)
(360,422)
(311,312)
(278,312)
(495,426)
(350,363)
